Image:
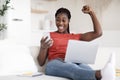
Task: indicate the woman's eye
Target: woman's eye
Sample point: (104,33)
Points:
(63,20)
(57,20)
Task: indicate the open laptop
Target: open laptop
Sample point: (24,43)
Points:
(81,52)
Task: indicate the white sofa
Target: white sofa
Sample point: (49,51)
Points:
(19,62)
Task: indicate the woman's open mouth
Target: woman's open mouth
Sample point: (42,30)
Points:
(61,28)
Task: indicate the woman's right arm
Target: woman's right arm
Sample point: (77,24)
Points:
(43,52)
(42,56)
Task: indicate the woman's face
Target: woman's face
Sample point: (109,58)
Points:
(62,22)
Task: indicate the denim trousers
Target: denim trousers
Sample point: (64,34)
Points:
(73,71)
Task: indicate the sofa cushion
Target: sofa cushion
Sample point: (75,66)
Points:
(16,59)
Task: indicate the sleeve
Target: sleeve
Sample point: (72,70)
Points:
(76,36)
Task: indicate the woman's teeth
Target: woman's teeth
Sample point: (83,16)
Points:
(61,27)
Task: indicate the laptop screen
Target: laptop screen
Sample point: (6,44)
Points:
(81,52)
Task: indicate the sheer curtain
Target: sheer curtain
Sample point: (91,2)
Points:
(98,6)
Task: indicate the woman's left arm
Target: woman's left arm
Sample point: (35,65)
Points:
(97,32)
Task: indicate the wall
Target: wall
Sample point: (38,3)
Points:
(19,27)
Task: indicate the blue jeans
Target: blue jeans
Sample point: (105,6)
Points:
(72,71)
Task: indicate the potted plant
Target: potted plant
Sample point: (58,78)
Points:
(3,27)
(4,5)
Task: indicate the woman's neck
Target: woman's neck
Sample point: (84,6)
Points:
(62,32)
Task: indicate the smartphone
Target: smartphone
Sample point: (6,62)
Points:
(47,34)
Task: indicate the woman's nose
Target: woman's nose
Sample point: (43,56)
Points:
(61,23)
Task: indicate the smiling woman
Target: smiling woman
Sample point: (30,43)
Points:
(107,12)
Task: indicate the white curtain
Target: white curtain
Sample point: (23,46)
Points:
(98,5)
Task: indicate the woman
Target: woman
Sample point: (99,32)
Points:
(55,48)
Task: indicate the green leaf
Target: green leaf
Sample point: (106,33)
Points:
(4,7)
(3,27)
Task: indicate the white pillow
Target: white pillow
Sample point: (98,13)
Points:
(35,52)
(16,59)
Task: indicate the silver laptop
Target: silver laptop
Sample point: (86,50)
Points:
(81,52)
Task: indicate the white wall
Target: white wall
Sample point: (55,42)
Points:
(19,27)
(111,16)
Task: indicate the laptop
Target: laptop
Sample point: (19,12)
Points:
(81,51)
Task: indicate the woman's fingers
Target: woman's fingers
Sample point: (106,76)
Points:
(46,43)
(86,9)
